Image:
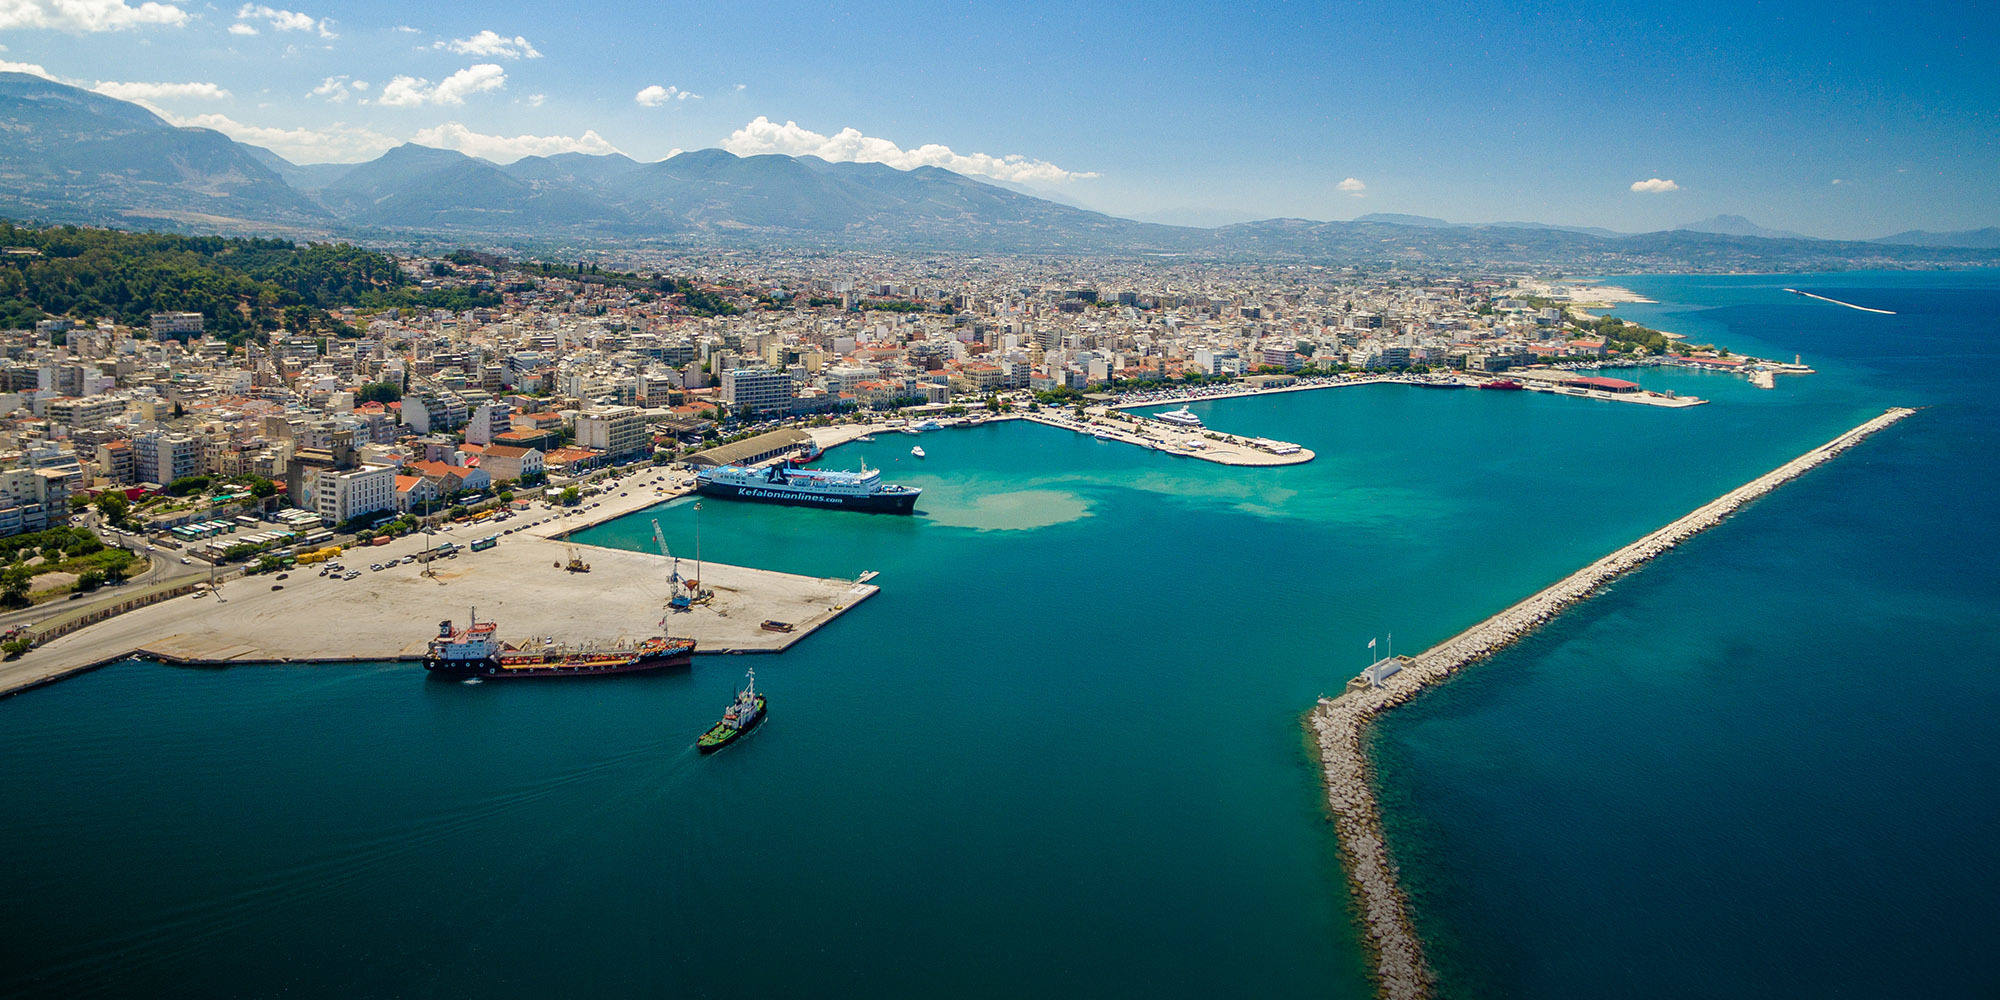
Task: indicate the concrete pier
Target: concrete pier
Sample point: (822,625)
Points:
(392,613)
(1339,723)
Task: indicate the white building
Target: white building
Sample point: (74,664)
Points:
(757,390)
(161,457)
(617,431)
(342,495)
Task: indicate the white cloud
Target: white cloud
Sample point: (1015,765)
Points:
(411,91)
(336,143)
(87,15)
(32,69)
(282,20)
(1351,185)
(490,43)
(334,88)
(160,91)
(1837,180)
(740,87)
(535,100)
(506,149)
(849,145)
(239,28)
(1654,186)
(656,95)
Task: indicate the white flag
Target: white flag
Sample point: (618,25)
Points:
(1371,644)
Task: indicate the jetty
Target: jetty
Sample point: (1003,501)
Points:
(1339,723)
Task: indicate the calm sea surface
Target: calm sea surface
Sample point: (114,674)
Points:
(1061,752)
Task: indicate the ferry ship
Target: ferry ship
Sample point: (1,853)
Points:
(1179,418)
(476,651)
(786,483)
(743,715)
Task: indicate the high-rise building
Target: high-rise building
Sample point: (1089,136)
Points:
(757,390)
(161,457)
(617,431)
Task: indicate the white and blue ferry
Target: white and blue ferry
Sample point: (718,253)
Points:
(789,484)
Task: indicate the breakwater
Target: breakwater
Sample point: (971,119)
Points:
(1339,723)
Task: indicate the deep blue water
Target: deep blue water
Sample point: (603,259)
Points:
(1061,753)
(1766,764)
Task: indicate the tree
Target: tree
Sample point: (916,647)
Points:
(378,392)
(261,487)
(15,582)
(570,495)
(113,505)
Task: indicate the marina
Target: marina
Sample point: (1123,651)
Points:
(1338,724)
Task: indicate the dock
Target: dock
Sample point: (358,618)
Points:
(1339,723)
(392,614)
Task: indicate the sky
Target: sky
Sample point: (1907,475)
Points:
(1841,120)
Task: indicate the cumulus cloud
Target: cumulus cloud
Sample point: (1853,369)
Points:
(656,95)
(336,143)
(241,28)
(491,44)
(412,91)
(849,145)
(282,20)
(1654,186)
(506,149)
(32,69)
(160,91)
(334,88)
(1351,185)
(535,100)
(87,15)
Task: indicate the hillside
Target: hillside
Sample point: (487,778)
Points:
(76,156)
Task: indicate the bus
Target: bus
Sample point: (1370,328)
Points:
(483,544)
(319,538)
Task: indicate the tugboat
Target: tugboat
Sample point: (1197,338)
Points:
(743,715)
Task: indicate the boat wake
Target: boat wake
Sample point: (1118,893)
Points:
(1850,305)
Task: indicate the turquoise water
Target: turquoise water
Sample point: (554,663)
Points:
(1060,752)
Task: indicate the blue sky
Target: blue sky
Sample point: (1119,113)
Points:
(1839,120)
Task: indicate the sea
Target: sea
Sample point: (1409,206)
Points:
(1062,751)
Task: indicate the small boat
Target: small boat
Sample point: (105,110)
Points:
(1101,434)
(866,439)
(774,625)
(918,451)
(743,715)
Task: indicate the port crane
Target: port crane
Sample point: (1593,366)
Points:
(576,563)
(676,601)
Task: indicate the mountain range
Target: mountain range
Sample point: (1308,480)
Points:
(71,155)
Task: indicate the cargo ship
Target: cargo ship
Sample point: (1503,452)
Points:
(476,651)
(743,715)
(786,483)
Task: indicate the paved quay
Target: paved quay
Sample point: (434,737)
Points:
(393,613)
(1339,723)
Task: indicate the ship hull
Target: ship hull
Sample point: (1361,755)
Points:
(899,503)
(712,741)
(512,665)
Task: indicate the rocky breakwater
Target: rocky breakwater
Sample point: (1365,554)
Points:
(1339,724)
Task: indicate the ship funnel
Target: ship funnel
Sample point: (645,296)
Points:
(444,629)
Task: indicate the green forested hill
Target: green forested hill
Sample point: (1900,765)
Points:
(239,285)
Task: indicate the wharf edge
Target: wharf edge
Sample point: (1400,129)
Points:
(1338,723)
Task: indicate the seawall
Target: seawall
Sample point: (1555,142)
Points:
(1339,723)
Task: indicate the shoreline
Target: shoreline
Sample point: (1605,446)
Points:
(1339,723)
